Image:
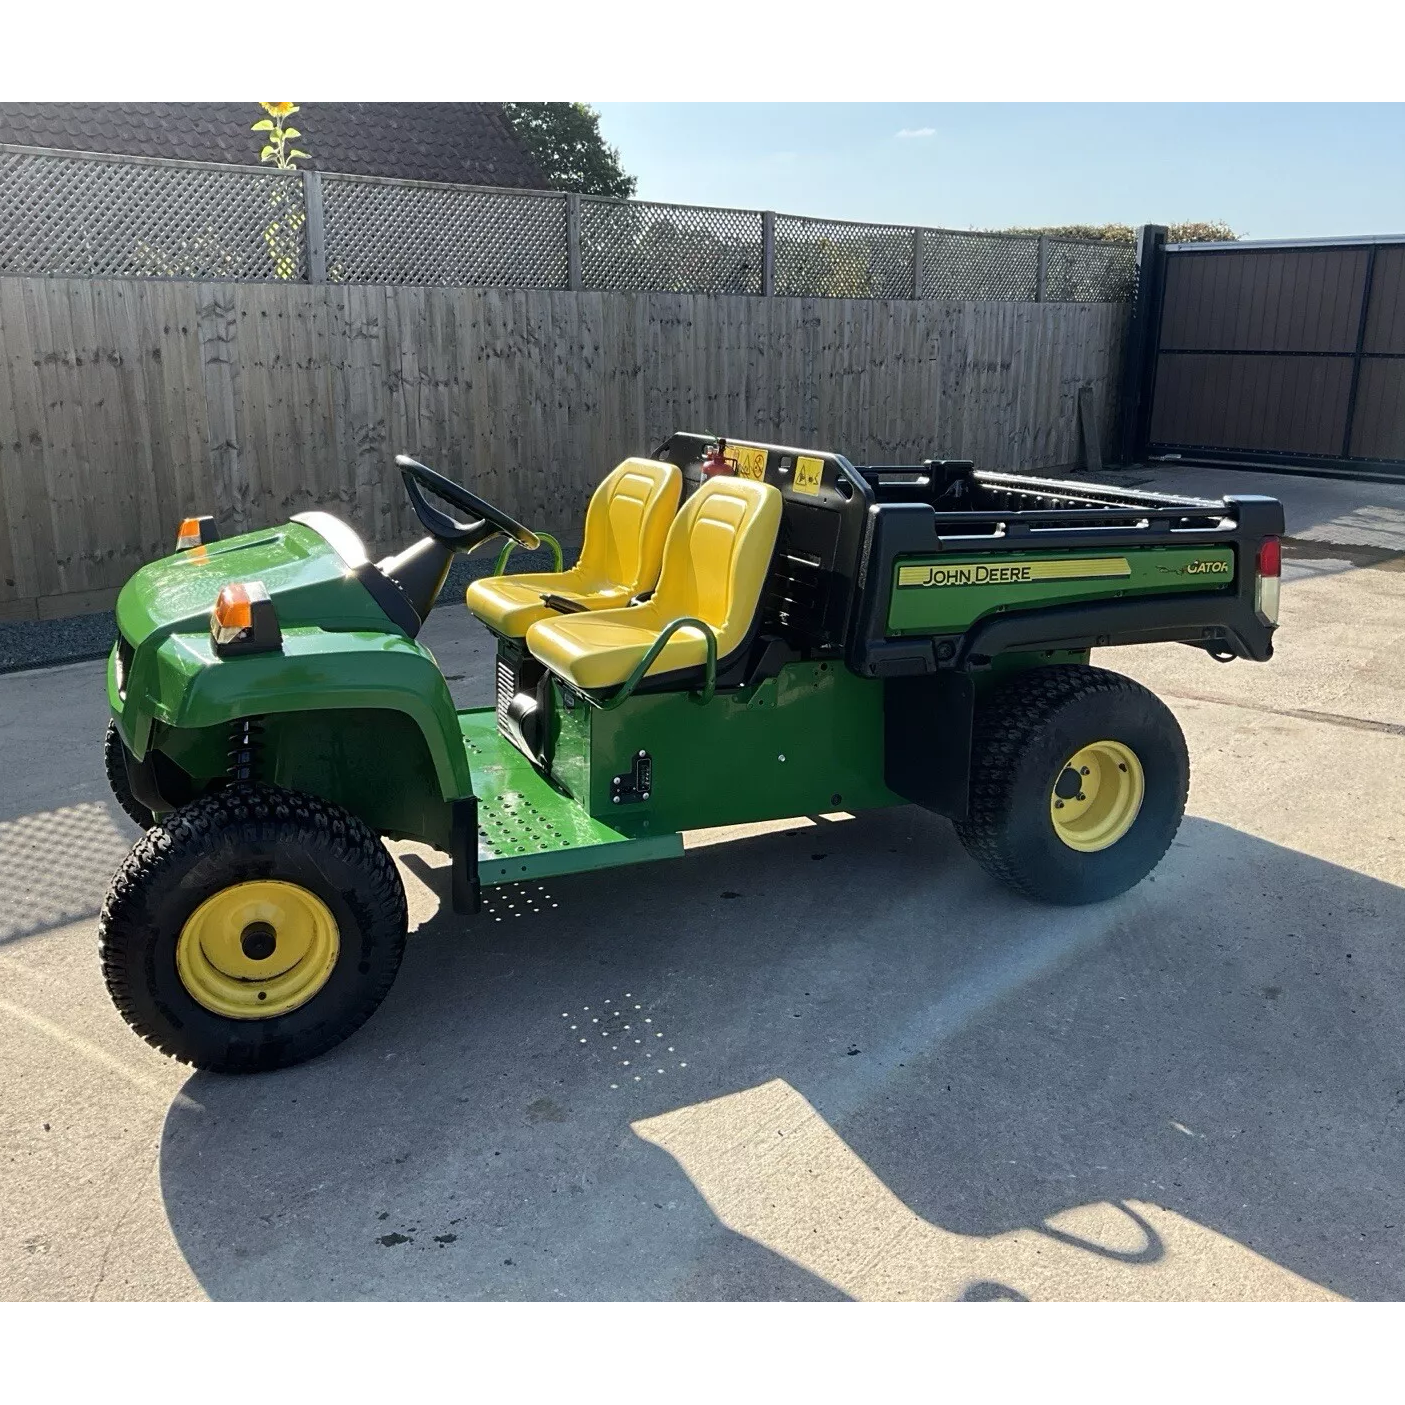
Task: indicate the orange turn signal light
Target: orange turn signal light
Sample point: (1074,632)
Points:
(232,612)
(196,531)
(244,620)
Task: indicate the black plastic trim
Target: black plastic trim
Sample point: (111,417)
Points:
(465,891)
(809,593)
(158,782)
(927,729)
(1220,620)
(389,597)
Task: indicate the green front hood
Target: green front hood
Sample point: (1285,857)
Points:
(311,583)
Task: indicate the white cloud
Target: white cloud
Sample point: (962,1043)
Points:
(917,132)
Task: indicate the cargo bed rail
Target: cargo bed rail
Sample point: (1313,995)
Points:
(914,527)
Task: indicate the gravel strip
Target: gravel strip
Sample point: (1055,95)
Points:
(42,643)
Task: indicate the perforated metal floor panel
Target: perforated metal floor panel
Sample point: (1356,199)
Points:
(526,829)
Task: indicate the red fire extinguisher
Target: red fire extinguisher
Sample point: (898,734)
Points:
(714,464)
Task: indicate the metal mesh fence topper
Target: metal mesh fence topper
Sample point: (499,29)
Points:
(86,217)
(64,213)
(669,248)
(384,231)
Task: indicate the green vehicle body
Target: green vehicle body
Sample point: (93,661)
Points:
(355,710)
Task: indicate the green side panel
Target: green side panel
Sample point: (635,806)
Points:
(803,743)
(527,829)
(947,594)
(183,684)
(308,580)
(374,763)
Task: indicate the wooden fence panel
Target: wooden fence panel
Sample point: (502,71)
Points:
(126,405)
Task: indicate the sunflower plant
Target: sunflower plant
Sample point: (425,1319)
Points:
(283,234)
(276,150)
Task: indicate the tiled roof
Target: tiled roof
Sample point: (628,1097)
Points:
(463,142)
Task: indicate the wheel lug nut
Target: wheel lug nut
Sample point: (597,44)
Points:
(1082,770)
(1058,804)
(1081,796)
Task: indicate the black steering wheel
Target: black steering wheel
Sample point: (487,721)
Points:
(486,520)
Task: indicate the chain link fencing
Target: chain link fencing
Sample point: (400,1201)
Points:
(70,214)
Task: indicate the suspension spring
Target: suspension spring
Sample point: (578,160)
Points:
(245,748)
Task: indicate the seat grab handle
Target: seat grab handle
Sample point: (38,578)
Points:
(509,546)
(655,649)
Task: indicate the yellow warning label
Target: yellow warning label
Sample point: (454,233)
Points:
(1015,572)
(808,473)
(749,462)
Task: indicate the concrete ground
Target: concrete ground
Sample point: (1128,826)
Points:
(863,1070)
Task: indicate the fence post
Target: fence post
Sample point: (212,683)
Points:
(1143,335)
(1041,272)
(768,253)
(573,242)
(916,263)
(314,227)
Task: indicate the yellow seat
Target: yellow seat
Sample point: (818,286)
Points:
(714,565)
(625,527)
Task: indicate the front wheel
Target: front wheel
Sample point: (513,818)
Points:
(252,929)
(114,760)
(1078,784)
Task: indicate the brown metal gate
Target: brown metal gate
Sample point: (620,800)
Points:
(1277,354)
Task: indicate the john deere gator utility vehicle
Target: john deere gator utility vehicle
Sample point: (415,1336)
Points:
(751,632)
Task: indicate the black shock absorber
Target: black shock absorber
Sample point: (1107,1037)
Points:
(245,748)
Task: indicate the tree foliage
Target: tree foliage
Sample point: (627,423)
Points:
(1189,232)
(564,139)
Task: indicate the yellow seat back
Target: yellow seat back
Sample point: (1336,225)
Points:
(627,523)
(625,528)
(716,557)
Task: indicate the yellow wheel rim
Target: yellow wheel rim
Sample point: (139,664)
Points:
(256,950)
(1096,796)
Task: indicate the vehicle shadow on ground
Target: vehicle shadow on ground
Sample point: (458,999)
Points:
(1217,1042)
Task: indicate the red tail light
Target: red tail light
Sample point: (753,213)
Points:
(1267,586)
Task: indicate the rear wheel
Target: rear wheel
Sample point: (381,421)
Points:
(252,929)
(114,754)
(1078,784)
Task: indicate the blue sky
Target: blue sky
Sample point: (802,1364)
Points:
(1270,170)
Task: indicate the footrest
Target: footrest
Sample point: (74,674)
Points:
(526,829)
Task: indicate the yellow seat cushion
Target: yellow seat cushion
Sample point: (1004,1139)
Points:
(714,565)
(512,604)
(600,650)
(625,528)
